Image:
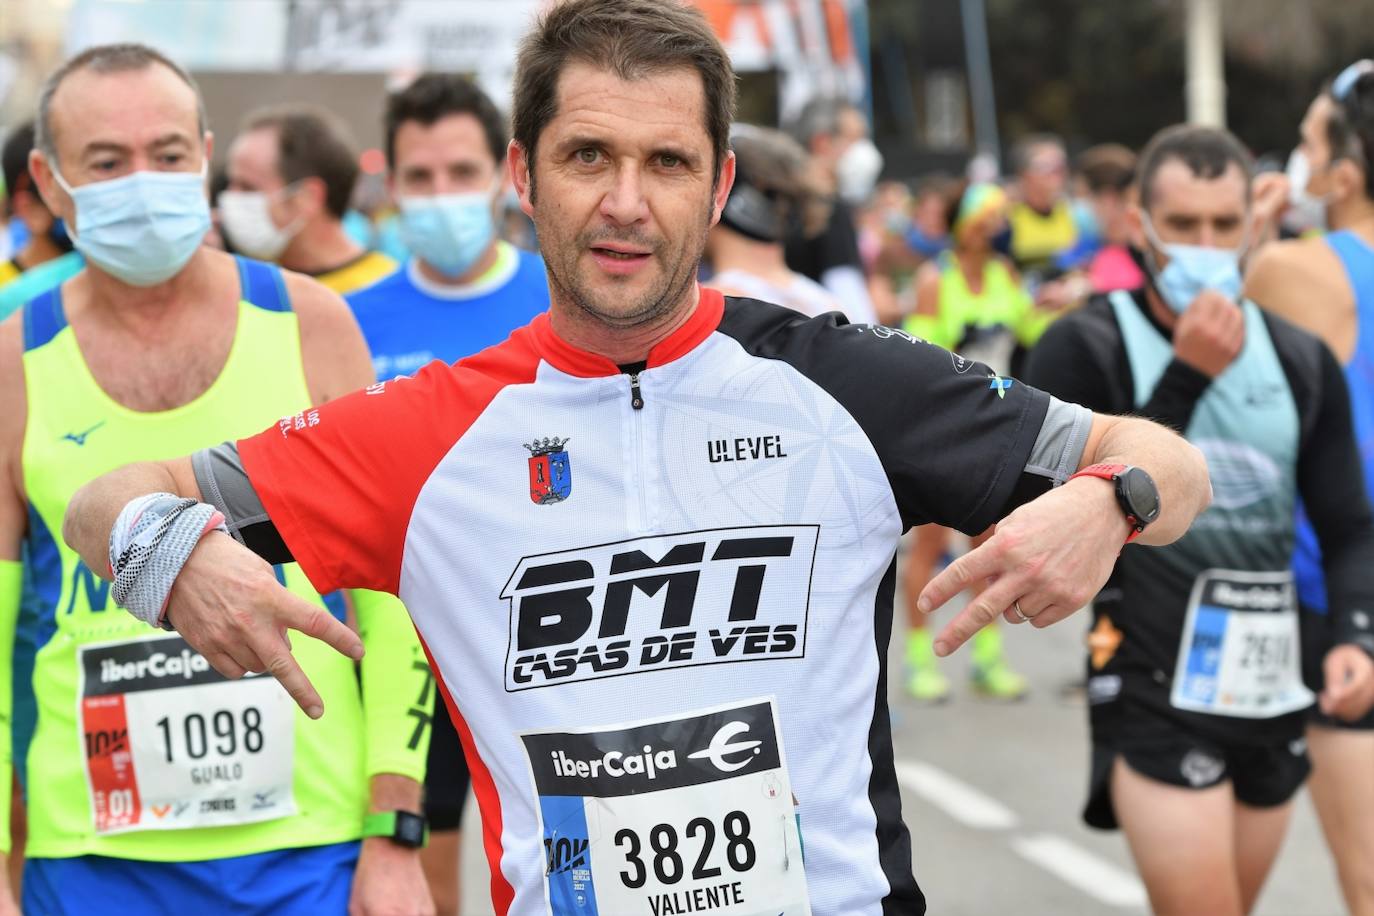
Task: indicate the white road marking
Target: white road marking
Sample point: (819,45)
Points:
(958,799)
(1076,866)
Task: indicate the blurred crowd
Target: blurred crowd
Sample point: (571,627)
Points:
(434,253)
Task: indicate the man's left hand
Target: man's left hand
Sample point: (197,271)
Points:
(389,882)
(1349,692)
(1050,557)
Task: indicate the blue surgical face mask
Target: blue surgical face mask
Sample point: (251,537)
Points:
(448,231)
(1191,269)
(143,227)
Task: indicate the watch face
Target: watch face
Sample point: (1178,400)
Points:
(1142,495)
(410,829)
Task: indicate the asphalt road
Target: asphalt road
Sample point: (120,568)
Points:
(992,793)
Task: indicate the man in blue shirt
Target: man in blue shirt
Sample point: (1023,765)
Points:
(462,290)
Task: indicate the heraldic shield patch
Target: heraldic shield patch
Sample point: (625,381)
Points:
(550,471)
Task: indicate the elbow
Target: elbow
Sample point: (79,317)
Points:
(75,509)
(1198,466)
(1185,495)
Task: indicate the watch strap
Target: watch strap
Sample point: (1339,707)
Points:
(404,828)
(1113,473)
(1105,471)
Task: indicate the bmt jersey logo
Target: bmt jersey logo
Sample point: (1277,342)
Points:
(653,603)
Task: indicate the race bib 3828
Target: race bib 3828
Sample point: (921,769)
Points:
(690,814)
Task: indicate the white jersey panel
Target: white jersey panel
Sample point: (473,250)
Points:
(726,543)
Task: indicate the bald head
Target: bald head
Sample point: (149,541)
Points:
(87,68)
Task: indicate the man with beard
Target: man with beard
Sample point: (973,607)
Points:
(649,540)
(1197,702)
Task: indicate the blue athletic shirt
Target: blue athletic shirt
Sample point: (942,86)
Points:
(409,321)
(1358,259)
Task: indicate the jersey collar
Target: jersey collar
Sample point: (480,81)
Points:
(563,356)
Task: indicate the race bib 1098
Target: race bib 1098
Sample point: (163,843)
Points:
(691,814)
(169,743)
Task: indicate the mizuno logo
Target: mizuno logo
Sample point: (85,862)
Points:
(80,438)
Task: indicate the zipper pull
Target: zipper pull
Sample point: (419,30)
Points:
(636,398)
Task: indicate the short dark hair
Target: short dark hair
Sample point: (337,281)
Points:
(1107,167)
(435,96)
(116,58)
(311,143)
(1206,151)
(14,160)
(1024,149)
(631,38)
(1350,129)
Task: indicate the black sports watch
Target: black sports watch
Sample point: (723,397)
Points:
(1136,493)
(404,828)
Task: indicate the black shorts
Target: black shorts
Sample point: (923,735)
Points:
(1261,775)
(1317,640)
(446,777)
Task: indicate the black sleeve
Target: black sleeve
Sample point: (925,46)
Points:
(1176,395)
(954,439)
(1076,359)
(1081,359)
(1331,481)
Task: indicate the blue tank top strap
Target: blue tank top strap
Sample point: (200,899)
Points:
(43,318)
(262,285)
(1357,257)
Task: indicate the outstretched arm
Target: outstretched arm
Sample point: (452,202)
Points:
(226,601)
(1053,554)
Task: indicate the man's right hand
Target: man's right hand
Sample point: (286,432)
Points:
(228,605)
(1210,335)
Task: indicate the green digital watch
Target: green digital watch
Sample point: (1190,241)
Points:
(404,828)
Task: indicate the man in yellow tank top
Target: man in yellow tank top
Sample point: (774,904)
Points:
(147,769)
(1041,219)
(291,175)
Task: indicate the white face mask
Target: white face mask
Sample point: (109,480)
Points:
(1308,210)
(856,172)
(246,217)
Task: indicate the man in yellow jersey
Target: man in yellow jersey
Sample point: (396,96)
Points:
(291,175)
(1042,223)
(147,769)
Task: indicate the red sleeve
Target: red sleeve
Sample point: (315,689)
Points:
(340,481)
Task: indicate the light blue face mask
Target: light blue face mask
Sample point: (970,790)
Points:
(448,231)
(143,227)
(1191,269)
